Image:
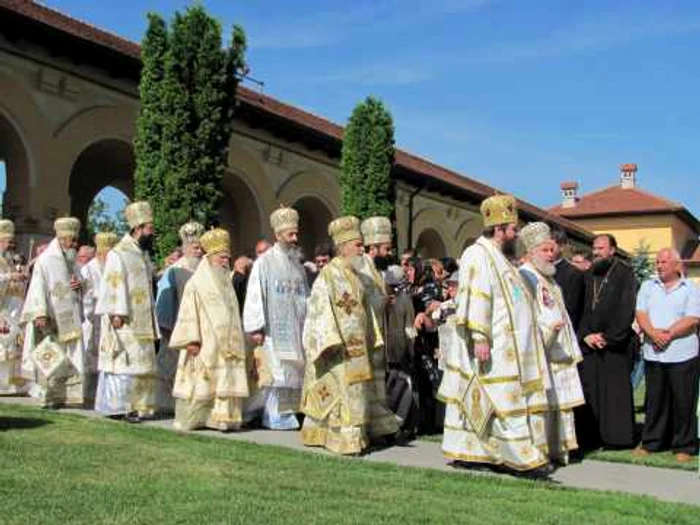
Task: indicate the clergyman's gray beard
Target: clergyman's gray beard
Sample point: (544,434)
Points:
(70,255)
(192,262)
(292,251)
(545,268)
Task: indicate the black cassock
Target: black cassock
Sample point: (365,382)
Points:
(607,419)
(571,280)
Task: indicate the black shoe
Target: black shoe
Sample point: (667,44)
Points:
(470,465)
(132,418)
(537,474)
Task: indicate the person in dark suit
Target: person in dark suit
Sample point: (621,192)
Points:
(570,279)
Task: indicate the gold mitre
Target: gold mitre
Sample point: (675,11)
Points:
(376,230)
(191,233)
(284,219)
(67,227)
(105,241)
(7,229)
(138,213)
(534,234)
(215,241)
(345,229)
(499,210)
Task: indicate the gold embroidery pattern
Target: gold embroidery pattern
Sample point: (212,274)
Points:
(113,279)
(61,290)
(139,296)
(346,303)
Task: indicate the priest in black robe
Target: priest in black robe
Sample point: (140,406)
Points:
(570,279)
(607,342)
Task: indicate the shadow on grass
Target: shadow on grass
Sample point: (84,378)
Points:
(21,423)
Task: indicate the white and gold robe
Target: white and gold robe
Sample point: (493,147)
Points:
(493,305)
(275,304)
(11,300)
(53,358)
(340,334)
(91,275)
(382,421)
(171,287)
(210,388)
(127,355)
(563,355)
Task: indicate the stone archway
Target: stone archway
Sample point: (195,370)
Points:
(430,245)
(107,162)
(240,214)
(314,217)
(15,159)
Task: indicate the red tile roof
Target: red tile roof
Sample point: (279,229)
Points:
(93,35)
(617,201)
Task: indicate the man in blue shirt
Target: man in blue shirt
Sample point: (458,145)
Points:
(668,312)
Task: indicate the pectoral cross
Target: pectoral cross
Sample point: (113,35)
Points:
(346,303)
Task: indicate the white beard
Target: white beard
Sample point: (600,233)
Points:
(545,268)
(357,262)
(221,274)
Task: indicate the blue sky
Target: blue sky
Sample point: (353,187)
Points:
(519,94)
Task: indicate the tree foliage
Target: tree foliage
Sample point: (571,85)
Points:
(642,263)
(188,92)
(366,186)
(101,220)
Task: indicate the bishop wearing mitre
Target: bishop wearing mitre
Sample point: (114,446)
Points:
(340,334)
(558,336)
(127,356)
(211,382)
(53,347)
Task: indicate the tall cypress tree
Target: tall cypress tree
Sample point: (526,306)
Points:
(198,98)
(149,126)
(367,189)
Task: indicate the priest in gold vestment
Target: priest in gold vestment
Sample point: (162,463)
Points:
(495,379)
(559,338)
(376,234)
(127,359)
(53,356)
(211,383)
(340,334)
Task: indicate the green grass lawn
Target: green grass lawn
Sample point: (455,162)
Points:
(61,468)
(660,459)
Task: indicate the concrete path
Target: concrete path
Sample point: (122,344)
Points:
(665,484)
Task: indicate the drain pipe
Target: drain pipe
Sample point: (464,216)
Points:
(410,215)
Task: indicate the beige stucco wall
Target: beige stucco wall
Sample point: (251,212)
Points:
(655,230)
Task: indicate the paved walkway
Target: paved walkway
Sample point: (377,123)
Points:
(665,484)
